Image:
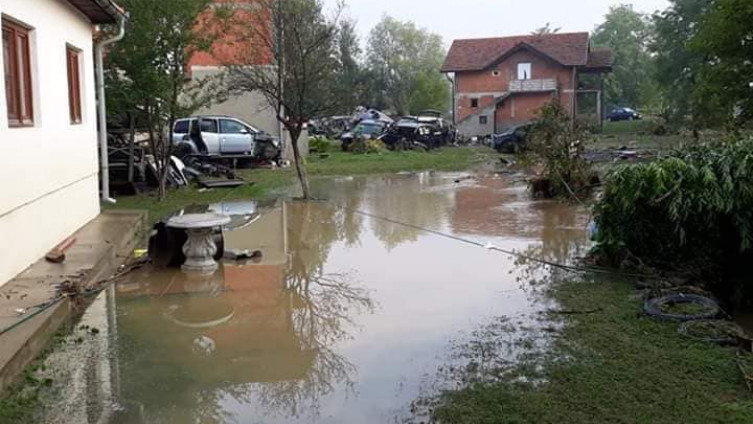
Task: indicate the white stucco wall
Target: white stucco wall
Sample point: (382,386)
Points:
(48,172)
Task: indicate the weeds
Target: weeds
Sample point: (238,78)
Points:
(560,144)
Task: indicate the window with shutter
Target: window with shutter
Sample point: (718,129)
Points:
(17,69)
(74,84)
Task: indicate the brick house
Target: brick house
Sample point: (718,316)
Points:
(502,82)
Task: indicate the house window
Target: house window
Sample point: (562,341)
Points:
(483,120)
(73,56)
(474,103)
(17,74)
(524,71)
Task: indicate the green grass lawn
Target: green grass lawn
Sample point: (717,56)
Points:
(446,159)
(267,181)
(614,366)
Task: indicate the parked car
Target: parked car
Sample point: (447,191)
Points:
(623,114)
(223,136)
(513,140)
(366,129)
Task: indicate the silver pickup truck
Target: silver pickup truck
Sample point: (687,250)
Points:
(215,135)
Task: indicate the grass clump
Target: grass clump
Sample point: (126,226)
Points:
(614,366)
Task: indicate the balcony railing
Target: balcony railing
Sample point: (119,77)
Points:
(533,85)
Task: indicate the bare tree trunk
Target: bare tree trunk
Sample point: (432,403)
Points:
(155,146)
(300,168)
(165,168)
(131,143)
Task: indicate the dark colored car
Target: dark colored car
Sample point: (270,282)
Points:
(513,140)
(366,129)
(623,114)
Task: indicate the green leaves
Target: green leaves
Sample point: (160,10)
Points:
(627,32)
(405,61)
(696,203)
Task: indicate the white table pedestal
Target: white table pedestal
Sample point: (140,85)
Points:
(200,247)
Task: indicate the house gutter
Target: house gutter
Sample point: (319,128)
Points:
(104,159)
(451,79)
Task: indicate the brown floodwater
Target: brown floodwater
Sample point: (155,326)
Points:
(346,318)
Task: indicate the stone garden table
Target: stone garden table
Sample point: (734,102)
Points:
(200,247)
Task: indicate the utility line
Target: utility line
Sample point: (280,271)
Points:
(570,268)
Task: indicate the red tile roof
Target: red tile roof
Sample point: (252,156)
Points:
(569,49)
(600,58)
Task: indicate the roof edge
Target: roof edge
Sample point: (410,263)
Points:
(108,7)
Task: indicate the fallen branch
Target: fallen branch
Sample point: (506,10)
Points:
(748,379)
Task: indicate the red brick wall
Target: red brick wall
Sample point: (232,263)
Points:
(485,81)
(237,39)
(464,106)
(520,108)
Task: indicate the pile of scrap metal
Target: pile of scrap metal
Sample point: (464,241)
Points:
(427,130)
(337,126)
(330,127)
(132,170)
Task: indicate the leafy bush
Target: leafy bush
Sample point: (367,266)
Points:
(691,210)
(560,145)
(322,145)
(366,147)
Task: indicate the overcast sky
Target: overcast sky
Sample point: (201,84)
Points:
(489,18)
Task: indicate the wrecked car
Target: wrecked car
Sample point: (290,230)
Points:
(333,126)
(223,136)
(414,131)
(367,129)
(513,140)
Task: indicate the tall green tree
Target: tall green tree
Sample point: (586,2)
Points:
(350,73)
(405,61)
(725,39)
(627,32)
(677,67)
(147,70)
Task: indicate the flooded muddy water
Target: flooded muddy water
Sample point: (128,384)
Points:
(344,318)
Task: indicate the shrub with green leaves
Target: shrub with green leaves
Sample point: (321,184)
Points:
(559,144)
(363,146)
(690,210)
(322,145)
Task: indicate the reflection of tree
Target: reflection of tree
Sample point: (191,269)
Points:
(350,195)
(323,308)
(409,200)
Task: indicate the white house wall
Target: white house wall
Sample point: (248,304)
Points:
(48,172)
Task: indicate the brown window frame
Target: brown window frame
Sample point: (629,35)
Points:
(73,65)
(18,78)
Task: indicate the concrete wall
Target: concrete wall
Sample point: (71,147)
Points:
(48,172)
(471,126)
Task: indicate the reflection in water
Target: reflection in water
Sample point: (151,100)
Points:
(345,316)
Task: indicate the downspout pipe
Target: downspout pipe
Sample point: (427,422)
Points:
(451,79)
(104,161)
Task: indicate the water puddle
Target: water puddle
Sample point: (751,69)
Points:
(344,319)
